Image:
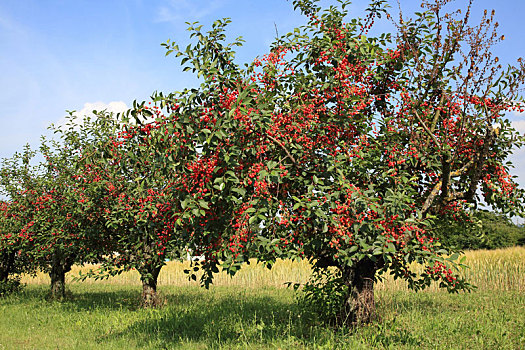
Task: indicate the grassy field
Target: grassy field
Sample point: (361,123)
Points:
(254,311)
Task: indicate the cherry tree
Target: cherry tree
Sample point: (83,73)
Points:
(353,151)
(13,260)
(142,172)
(51,223)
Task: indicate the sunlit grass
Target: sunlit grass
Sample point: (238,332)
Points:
(108,316)
(252,310)
(501,269)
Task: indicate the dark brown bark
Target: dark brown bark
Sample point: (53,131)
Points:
(59,267)
(6,265)
(481,157)
(149,277)
(360,307)
(58,283)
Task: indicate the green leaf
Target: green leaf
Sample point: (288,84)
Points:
(241,191)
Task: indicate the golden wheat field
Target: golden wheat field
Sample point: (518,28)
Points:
(501,269)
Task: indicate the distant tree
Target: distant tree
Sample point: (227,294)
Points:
(14,215)
(141,170)
(12,260)
(51,220)
(488,230)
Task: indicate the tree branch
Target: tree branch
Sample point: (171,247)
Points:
(480,161)
(283,147)
(445,163)
(439,185)
(428,130)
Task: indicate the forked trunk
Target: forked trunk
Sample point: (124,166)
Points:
(149,278)
(360,305)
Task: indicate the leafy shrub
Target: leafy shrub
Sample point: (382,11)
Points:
(11,285)
(324,294)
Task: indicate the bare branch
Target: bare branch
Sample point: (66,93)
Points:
(428,130)
(283,147)
(439,185)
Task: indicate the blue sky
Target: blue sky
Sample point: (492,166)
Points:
(59,55)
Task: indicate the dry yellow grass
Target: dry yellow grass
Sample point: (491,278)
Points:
(502,269)
(253,275)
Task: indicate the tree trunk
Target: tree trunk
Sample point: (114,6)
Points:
(58,271)
(360,305)
(6,265)
(149,278)
(58,282)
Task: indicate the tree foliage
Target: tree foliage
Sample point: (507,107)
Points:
(46,204)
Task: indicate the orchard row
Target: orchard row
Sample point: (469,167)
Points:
(347,150)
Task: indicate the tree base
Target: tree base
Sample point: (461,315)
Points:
(360,306)
(150,298)
(58,286)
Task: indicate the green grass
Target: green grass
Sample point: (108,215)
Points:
(109,317)
(254,311)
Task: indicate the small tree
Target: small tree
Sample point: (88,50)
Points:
(140,173)
(14,215)
(13,261)
(52,223)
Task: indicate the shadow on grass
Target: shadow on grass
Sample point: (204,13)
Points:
(425,303)
(80,300)
(104,300)
(217,319)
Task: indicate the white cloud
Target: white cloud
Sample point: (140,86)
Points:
(112,107)
(519,114)
(519,125)
(179,10)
